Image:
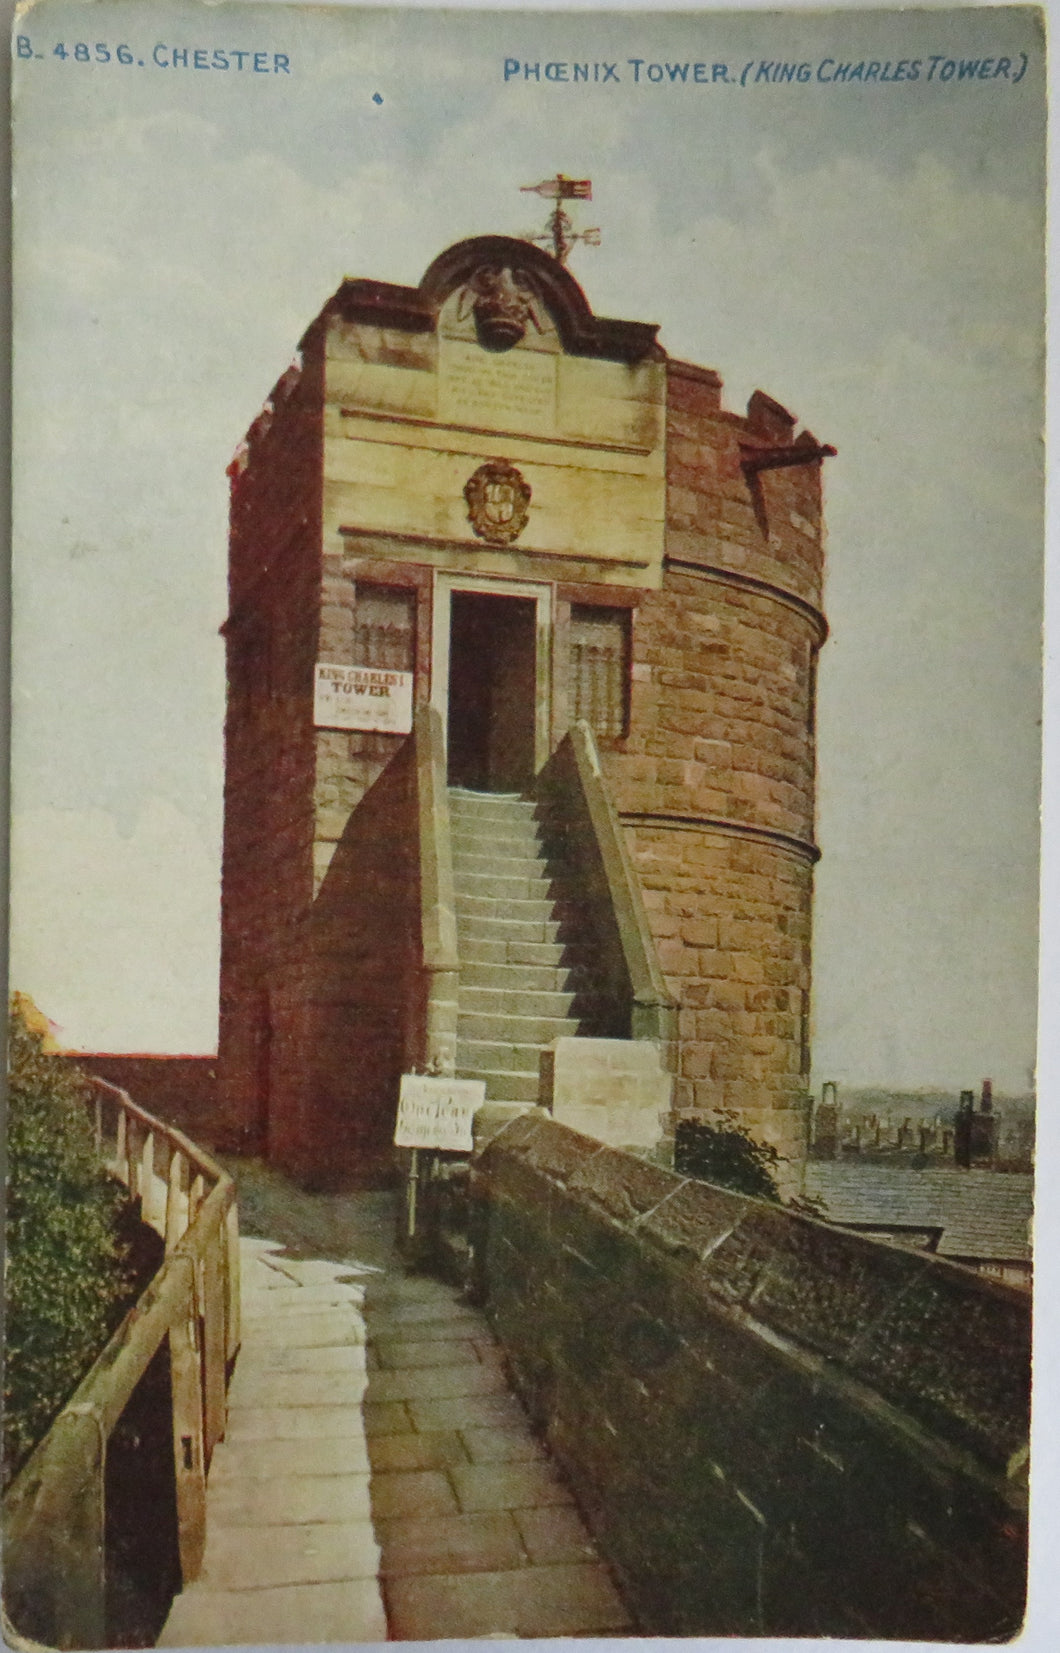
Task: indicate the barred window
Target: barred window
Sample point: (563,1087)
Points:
(384,627)
(599,647)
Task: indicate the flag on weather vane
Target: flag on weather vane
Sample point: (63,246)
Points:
(559,232)
(561,188)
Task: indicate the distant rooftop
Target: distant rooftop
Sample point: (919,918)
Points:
(982,1215)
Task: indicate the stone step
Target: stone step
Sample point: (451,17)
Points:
(495,950)
(505,1087)
(490,1001)
(539,886)
(522,911)
(491,806)
(489,925)
(535,978)
(488,862)
(491,1056)
(491,842)
(515,1030)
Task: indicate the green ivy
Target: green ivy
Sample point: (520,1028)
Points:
(67,1278)
(726,1156)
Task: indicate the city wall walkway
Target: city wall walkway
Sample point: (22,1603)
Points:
(378,1480)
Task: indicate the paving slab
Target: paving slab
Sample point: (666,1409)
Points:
(501,1444)
(311,1357)
(391,1417)
(554,1534)
(465,1412)
(317,1327)
(397,1313)
(438,1383)
(571,1600)
(451,1544)
(416,1493)
(436,1450)
(292,1299)
(508,1486)
(395,1286)
(291,1499)
(316,1271)
(351,1610)
(317,1552)
(256,1460)
(271,1388)
(291,1423)
(396,1354)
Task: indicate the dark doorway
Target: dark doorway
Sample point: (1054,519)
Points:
(492,691)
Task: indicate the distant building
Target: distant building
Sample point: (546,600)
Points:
(924,1128)
(972,1217)
(476,496)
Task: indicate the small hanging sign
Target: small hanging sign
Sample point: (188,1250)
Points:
(436,1112)
(362,697)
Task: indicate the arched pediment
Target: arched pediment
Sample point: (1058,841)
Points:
(505,273)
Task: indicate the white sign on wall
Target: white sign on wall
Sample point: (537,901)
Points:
(362,697)
(437,1112)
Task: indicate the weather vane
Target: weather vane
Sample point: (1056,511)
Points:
(560,233)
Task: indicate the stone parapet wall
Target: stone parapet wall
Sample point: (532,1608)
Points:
(774,1427)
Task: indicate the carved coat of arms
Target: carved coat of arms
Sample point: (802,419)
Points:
(498,502)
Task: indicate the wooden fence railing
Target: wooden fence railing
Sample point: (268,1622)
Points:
(54,1514)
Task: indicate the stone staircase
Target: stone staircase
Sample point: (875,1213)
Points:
(525,955)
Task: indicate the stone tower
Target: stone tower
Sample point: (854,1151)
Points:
(475,495)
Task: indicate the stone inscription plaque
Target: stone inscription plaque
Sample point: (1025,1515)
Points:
(437,1112)
(512,391)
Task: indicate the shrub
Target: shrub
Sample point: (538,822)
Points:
(67,1278)
(727,1156)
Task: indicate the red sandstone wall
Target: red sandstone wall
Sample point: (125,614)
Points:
(180,1090)
(347,1042)
(271,638)
(348,762)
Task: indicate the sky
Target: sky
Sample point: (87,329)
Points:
(868,254)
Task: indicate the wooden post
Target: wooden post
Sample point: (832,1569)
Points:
(213,1319)
(132,1156)
(98,1124)
(121,1149)
(174,1216)
(195,1198)
(189,1447)
(232,1298)
(146,1179)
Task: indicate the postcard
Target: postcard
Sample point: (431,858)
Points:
(527,684)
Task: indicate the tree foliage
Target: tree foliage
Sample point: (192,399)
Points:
(67,1275)
(725,1155)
